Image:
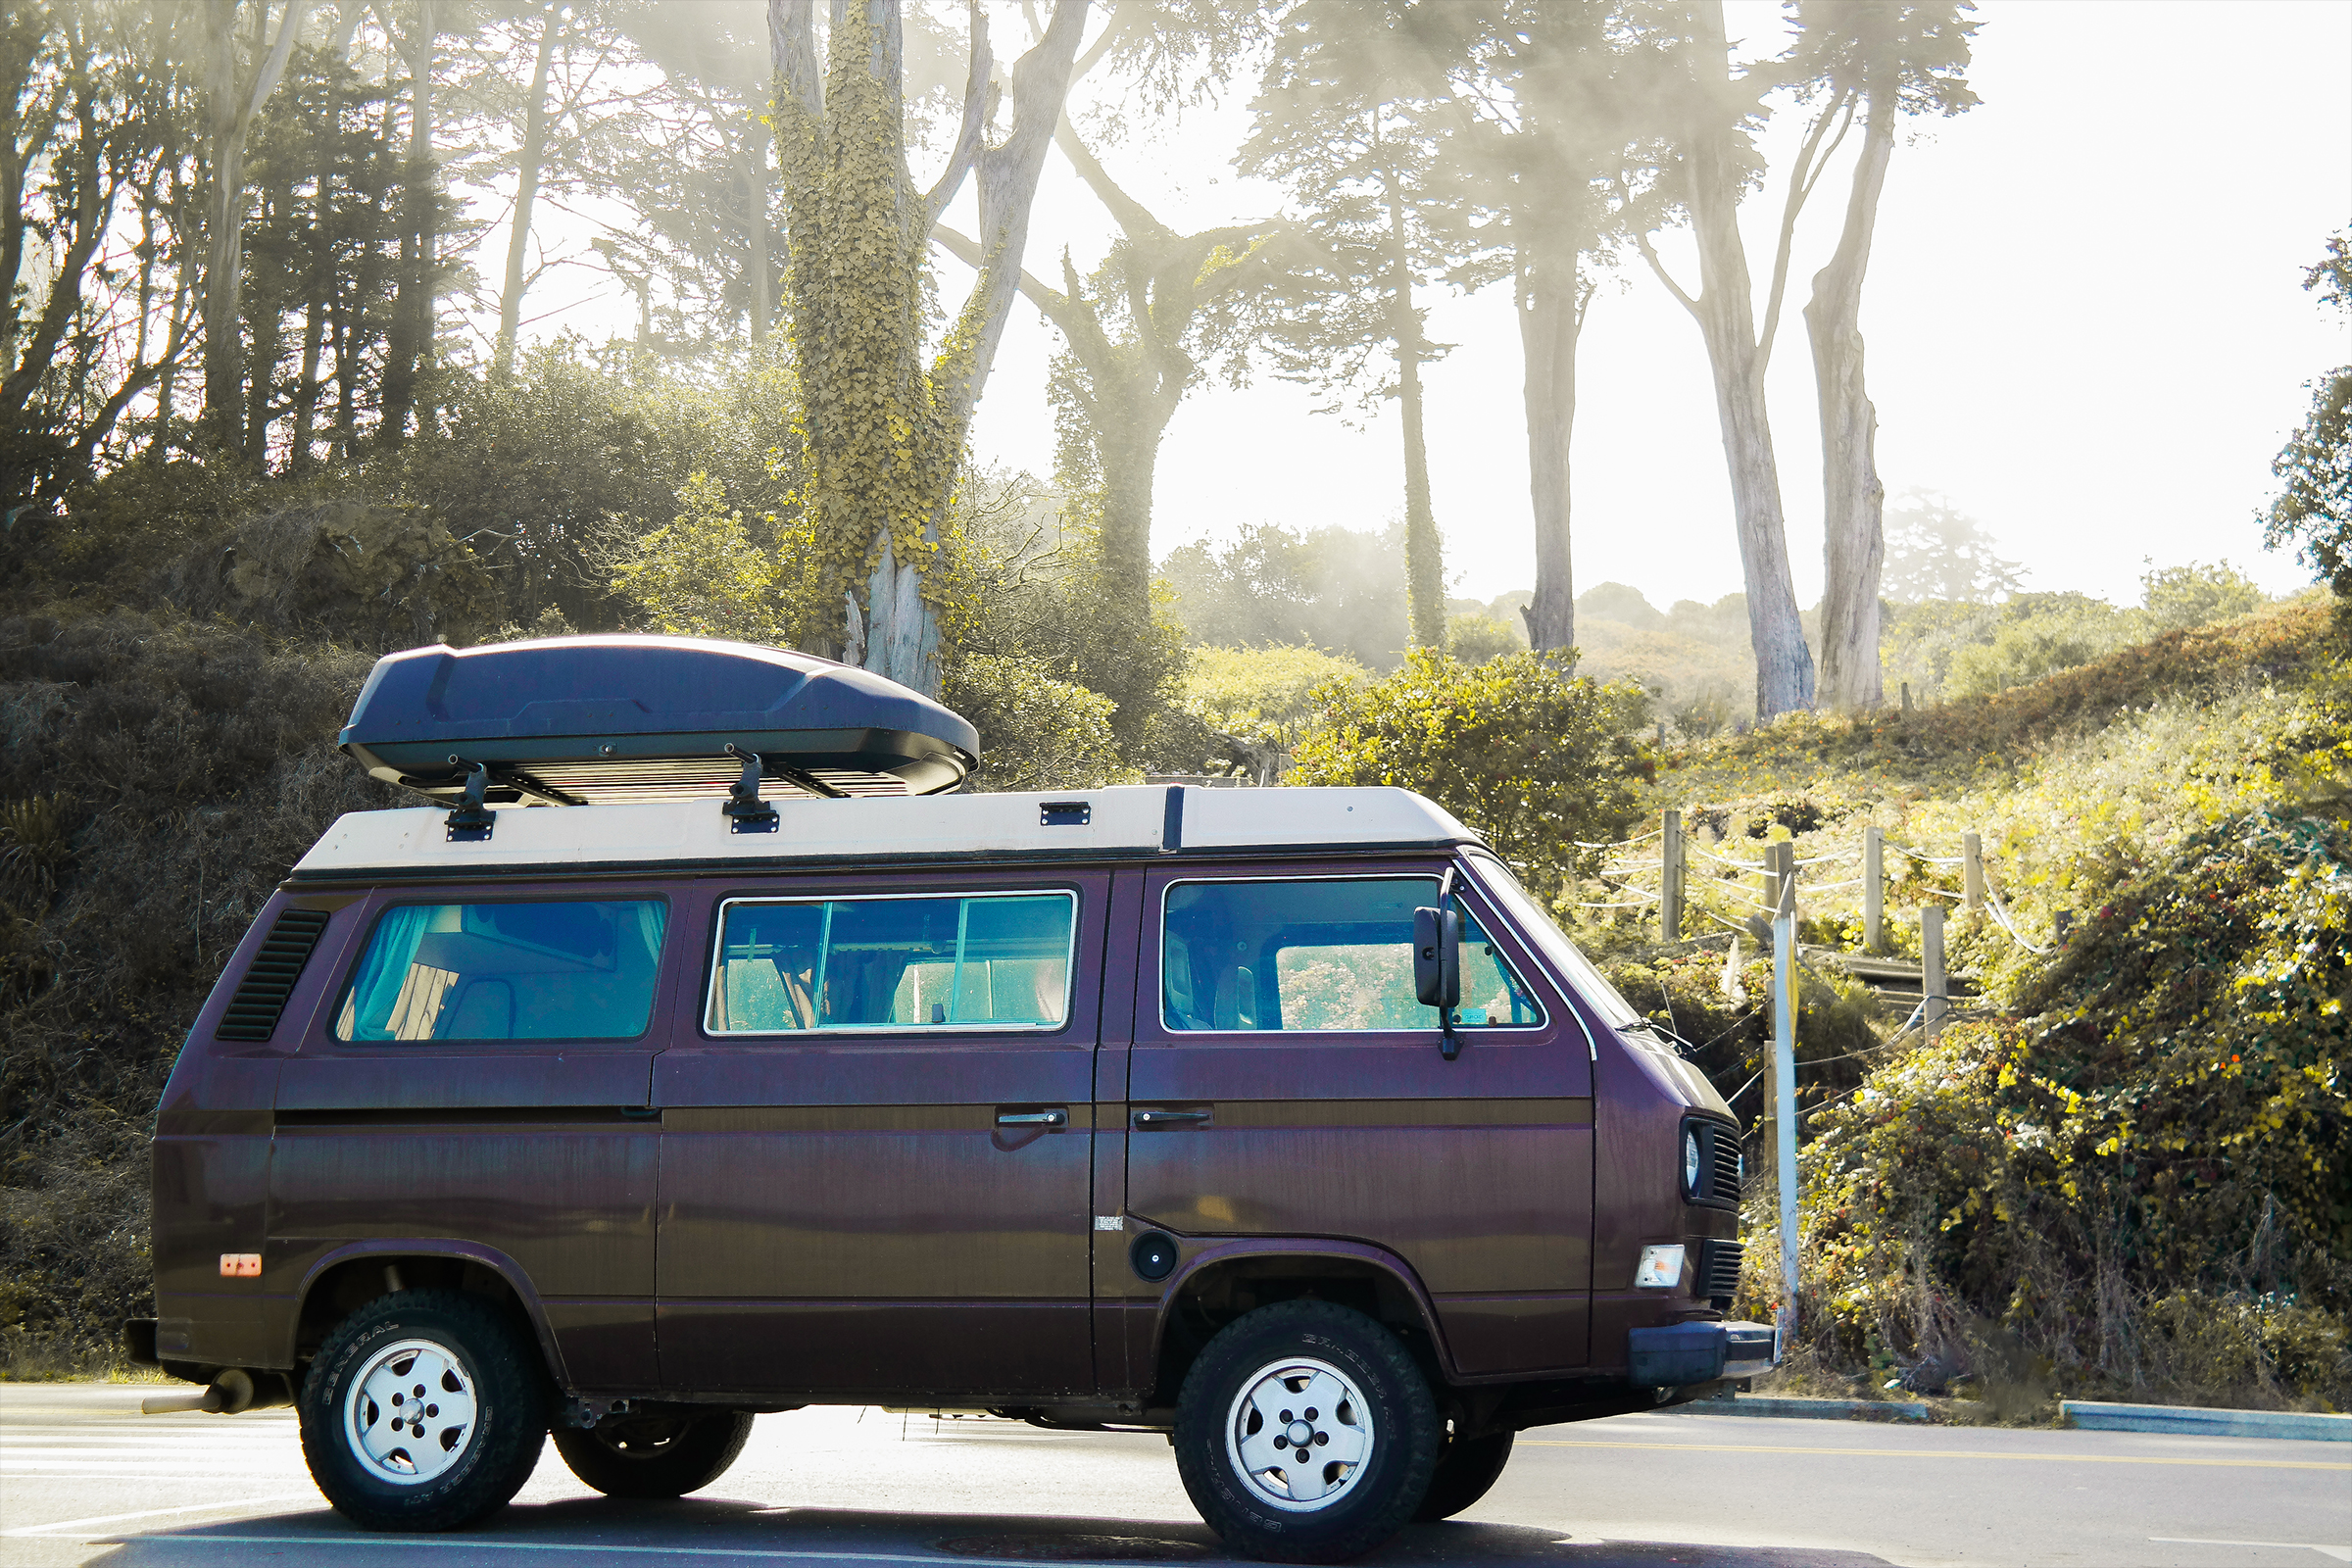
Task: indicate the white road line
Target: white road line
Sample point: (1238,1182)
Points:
(467,1544)
(154,1513)
(2339,1553)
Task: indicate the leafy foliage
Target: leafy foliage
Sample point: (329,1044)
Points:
(1036,732)
(1530,756)
(702,576)
(2314,508)
(2166,1130)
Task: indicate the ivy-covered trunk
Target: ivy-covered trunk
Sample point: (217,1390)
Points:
(883,435)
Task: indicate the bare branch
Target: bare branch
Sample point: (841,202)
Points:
(1129,214)
(1625,197)
(1802,177)
(1055,306)
(979,95)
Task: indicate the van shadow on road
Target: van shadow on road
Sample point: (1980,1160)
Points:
(708,1531)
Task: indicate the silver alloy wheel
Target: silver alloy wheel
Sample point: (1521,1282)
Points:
(410,1415)
(1293,1407)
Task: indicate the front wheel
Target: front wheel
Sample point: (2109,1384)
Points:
(1305,1433)
(654,1455)
(423,1410)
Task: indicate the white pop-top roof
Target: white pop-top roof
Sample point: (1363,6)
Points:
(1128,819)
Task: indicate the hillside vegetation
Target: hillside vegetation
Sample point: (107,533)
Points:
(2127,1169)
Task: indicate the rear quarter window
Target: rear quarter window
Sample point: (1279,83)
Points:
(572,969)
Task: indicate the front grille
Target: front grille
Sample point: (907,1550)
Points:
(252,1014)
(1718,1165)
(1718,1271)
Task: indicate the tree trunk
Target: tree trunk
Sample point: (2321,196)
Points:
(1725,312)
(526,192)
(751,163)
(1128,450)
(1853,545)
(267,330)
(409,341)
(225,123)
(1551,317)
(320,284)
(229,108)
(1424,553)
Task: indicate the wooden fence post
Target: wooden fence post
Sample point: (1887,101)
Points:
(1874,890)
(1670,879)
(1933,1004)
(1770,876)
(1972,871)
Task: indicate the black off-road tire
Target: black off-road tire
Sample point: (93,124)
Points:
(1407,1434)
(1466,1470)
(654,1455)
(497,1366)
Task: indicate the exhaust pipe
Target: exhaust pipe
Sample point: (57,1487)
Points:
(233,1391)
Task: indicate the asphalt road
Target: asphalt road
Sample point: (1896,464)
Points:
(86,1479)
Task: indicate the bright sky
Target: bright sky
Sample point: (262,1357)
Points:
(2085,327)
(2085,318)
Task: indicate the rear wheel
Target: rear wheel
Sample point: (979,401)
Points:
(1305,1433)
(654,1455)
(423,1410)
(1466,1470)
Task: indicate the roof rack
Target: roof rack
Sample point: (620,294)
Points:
(629,719)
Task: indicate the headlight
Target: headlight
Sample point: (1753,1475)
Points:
(1660,1268)
(1690,1162)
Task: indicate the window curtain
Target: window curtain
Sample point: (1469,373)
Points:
(368,1015)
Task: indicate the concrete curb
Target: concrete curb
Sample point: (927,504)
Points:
(2095,1416)
(1810,1410)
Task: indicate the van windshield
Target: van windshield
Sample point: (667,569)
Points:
(1539,928)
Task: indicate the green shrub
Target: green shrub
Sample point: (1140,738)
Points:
(1528,757)
(1036,732)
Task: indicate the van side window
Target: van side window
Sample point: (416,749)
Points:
(987,960)
(507,971)
(1300,955)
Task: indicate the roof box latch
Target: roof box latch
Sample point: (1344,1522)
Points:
(746,811)
(473,821)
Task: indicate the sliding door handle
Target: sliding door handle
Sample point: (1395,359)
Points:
(1033,1118)
(1147,1120)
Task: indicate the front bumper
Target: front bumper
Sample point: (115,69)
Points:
(1675,1353)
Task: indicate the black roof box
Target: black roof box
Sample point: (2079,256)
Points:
(602,720)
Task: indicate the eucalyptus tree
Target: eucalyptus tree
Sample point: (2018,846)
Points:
(885,431)
(1345,124)
(1705,164)
(1142,328)
(1875,61)
(1136,332)
(94,309)
(244,58)
(1544,102)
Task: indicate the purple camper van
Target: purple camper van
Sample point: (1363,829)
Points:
(704,1050)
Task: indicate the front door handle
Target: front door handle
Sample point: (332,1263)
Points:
(1033,1118)
(1147,1120)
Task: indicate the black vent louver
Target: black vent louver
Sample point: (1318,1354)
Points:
(1719,1270)
(261,995)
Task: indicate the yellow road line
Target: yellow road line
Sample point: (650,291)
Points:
(1942,1453)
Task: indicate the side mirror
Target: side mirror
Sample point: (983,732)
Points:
(1437,958)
